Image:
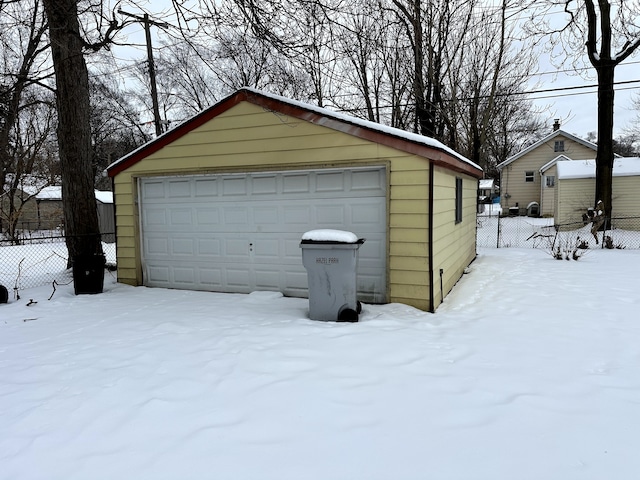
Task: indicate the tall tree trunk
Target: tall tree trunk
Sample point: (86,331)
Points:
(604,153)
(74,131)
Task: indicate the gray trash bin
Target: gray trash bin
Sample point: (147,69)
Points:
(331,271)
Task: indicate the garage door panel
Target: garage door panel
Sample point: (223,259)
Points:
(330,182)
(209,215)
(236,249)
(234,186)
(329,215)
(210,277)
(179,188)
(295,183)
(268,215)
(157,246)
(184,276)
(235,216)
(368,181)
(267,249)
(296,215)
(206,187)
(264,185)
(238,279)
(153,189)
(209,247)
(268,279)
(155,217)
(159,274)
(241,232)
(183,246)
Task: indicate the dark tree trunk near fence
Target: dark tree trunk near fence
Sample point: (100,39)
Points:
(74,131)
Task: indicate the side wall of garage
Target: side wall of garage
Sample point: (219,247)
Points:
(575,196)
(454,242)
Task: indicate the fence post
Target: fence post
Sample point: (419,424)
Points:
(499,231)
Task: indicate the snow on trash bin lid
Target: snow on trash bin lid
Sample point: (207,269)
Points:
(330,236)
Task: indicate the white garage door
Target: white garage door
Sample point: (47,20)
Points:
(241,232)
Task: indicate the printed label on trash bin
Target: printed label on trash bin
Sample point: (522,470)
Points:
(327,260)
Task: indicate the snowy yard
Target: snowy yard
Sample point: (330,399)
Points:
(529,370)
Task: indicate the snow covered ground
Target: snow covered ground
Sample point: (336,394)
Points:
(529,370)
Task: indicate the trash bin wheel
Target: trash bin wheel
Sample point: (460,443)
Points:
(347,314)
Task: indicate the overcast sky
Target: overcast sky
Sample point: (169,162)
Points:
(575,107)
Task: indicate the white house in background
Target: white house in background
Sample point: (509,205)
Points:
(529,177)
(576,186)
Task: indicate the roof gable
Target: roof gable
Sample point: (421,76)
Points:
(559,158)
(408,142)
(544,140)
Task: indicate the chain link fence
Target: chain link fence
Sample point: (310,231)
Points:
(39,257)
(495,231)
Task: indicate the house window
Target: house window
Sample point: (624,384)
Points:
(529,176)
(558,146)
(458,200)
(550,181)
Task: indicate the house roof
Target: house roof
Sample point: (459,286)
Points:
(622,167)
(548,165)
(54,192)
(485,183)
(409,142)
(544,140)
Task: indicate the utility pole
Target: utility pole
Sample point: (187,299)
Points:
(152,69)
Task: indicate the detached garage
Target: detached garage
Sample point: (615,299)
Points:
(220,202)
(577,184)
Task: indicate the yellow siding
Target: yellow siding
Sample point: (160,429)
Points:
(454,245)
(408,232)
(548,195)
(576,195)
(247,138)
(513,188)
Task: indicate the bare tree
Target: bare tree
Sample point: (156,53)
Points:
(490,80)
(22,42)
(435,31)
(607,33)
(605,59)
(74,128)
(115,126)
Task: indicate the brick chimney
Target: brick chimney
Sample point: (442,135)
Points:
(556,124)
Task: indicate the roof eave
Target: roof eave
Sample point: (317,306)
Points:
(439,156)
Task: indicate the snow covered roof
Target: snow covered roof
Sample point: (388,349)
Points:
(400,139)
(104,197)
(622,167)
(486,183)
(54,192)
(551,136)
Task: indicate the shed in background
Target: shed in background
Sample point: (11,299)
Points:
(576,190)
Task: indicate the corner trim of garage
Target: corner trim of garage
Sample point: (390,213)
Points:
(432,308)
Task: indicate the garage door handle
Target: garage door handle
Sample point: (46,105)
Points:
(251,247)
